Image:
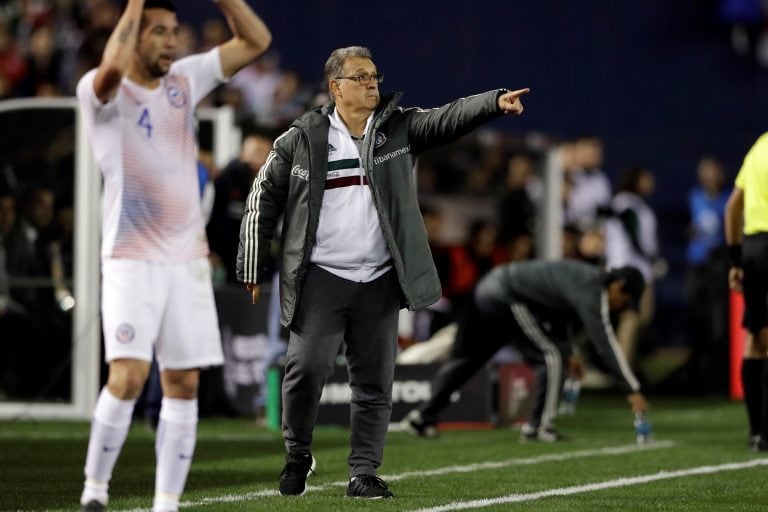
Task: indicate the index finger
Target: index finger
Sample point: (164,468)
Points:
(519,92)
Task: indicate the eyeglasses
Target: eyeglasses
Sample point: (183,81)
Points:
(363,79)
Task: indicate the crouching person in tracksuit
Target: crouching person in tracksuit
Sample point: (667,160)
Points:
(533,306)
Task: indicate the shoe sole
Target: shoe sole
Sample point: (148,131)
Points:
(311,472)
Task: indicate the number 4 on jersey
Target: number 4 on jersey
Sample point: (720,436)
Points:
(146,123)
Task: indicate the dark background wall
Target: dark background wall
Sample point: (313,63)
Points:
(656,79)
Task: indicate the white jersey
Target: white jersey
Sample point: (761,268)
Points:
(620,249)
(144,143)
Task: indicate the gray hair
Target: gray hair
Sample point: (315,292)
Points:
(334,66)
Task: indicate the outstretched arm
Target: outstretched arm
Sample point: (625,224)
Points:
(251,36)
(432,127)
(118,52)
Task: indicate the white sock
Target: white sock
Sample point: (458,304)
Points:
(109,428)
(174,446)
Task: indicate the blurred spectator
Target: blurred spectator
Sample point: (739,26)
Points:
(232,187)
(8,352)
(746,19)
(186,41)
(59,252)
(631,239)
(432,318)
(707,279)
(44,71)
(589,190)
(38,213)
(214,33)
(630,233)
(289,101)
(13,67)
(487,168)
(67,22)
(471,261)
(101,17)
(256,85)
(517,211)
(433,222)
(19,252)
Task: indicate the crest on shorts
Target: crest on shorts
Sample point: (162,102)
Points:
(176,96)
(125,333)
(379,140)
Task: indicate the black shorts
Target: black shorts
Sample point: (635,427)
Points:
(755,265)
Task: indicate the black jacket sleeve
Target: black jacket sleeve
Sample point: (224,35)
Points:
(263,207)
(428,128)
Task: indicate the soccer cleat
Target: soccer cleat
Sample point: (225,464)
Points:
(544,434)
(293,478)
(760,445)
(93,506)
(415,425)
(368,486)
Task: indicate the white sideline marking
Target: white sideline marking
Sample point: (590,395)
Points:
(552,457)
(608,484)
(521,461)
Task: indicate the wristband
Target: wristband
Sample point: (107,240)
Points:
(734,255)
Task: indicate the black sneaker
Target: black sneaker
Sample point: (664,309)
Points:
(528,433)
(293,478)
(415,425)
(760,445)
(368,486)
(93,506)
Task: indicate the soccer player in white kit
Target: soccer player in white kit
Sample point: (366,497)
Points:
(138,107)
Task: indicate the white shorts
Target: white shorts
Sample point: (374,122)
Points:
(168,305)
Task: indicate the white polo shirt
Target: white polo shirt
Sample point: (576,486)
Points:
(349,242)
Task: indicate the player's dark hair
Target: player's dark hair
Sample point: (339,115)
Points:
(160,4)
(154,4)
(629,178)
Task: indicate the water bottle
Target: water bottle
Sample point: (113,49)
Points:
(642,428)
(571,391)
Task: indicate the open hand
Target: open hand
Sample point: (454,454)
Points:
(255,290)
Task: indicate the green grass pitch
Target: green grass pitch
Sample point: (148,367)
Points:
(237,463)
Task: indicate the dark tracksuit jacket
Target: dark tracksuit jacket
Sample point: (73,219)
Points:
(291,183)
(534,306)
(570,289)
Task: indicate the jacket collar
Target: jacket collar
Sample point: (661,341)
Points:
(318,116)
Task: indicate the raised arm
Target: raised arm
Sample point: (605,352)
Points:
(118,52)
(251,36)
